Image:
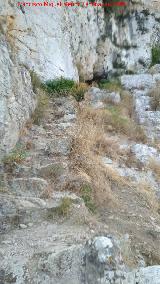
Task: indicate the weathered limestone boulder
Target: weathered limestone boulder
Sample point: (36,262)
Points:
(99,97)
(142,81)
(47,259)
(28,187)
(144,153)
(139,81)
(155,69)
(150,275)
(22,210)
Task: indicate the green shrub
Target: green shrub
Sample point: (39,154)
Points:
(60,86)
(65,87)
(79,95)
(117,10)
(64,208)
(155,55)
(86,194)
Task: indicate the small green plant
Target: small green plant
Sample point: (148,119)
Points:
(65,87)
(60,86)
(15,157)
(79,91)
(155,55)
(86,194)
(79,95)
(110,85)
(111,7)
(64,208)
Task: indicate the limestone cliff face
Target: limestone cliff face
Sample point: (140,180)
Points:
(68,42)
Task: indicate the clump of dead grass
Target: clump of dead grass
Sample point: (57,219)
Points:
(88,148)
(148,194)
(86,158)
(127,103)
(155,167)
(107,146)
(41,108)
(155,97)
(114,119)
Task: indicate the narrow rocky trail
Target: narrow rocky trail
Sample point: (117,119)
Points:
(40,246)
(30,228)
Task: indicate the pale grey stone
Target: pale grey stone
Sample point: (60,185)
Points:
(138,81)
(155,69)
(107,160)
(144,153)
(28,187)
(23,226)
(97,95)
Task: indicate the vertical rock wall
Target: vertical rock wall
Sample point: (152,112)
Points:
(69,42)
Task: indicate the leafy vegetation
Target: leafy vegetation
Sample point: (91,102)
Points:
(53,88)
(59,86)
(155,55)
(64,208)
(86,194)
(111,7)
(65,87)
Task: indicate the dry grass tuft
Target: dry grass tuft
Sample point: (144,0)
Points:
(130,160)
(155,97)
(155,167)
(114,119)
(64,208)
(107,146)
(103,181)
(87,145)
(148,194)
(127,103)
(41,109)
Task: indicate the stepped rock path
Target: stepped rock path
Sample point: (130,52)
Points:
(28,227)
(39,246)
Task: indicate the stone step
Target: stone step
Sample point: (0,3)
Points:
(23,212)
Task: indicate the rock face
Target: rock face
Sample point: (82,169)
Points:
(74,42)
(17,100)
(97,97)
(140,86)
(97,262)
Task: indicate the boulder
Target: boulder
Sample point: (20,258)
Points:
(144,153)
(138,81)
(98,96)
(28,187)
